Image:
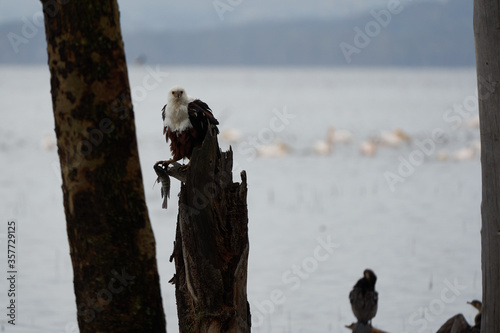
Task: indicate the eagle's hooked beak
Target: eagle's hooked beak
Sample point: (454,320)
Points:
(178,93)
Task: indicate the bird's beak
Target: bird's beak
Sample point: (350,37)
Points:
(178,94)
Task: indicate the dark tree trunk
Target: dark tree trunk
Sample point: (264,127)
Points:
(211,245)
(487,37)
(111,241)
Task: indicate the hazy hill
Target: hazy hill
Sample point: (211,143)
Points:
(423,34)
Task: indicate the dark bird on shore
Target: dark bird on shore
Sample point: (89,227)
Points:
(364,298)
(458,324)
(185,123)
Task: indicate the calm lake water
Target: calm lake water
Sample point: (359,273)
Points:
(410,211)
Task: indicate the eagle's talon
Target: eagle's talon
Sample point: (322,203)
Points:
(164,163)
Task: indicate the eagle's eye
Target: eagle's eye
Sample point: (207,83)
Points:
(173,92)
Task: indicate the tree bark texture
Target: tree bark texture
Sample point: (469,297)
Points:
(111,242)
(211,245)
(487,39)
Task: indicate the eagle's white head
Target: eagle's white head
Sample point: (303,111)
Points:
(177,96)
(175,116)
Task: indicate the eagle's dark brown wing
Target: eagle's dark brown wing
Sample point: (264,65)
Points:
(201,117)
(183,142)
(163,117)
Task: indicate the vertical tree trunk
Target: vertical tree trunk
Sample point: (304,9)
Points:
(487,37)
(111,241)
(211,245)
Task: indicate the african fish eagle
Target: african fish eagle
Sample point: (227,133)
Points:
(185,123)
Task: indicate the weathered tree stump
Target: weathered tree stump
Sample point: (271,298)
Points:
(211,245)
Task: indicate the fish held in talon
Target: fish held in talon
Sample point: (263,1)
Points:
(164,179)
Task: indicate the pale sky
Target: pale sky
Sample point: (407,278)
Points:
(194,14)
